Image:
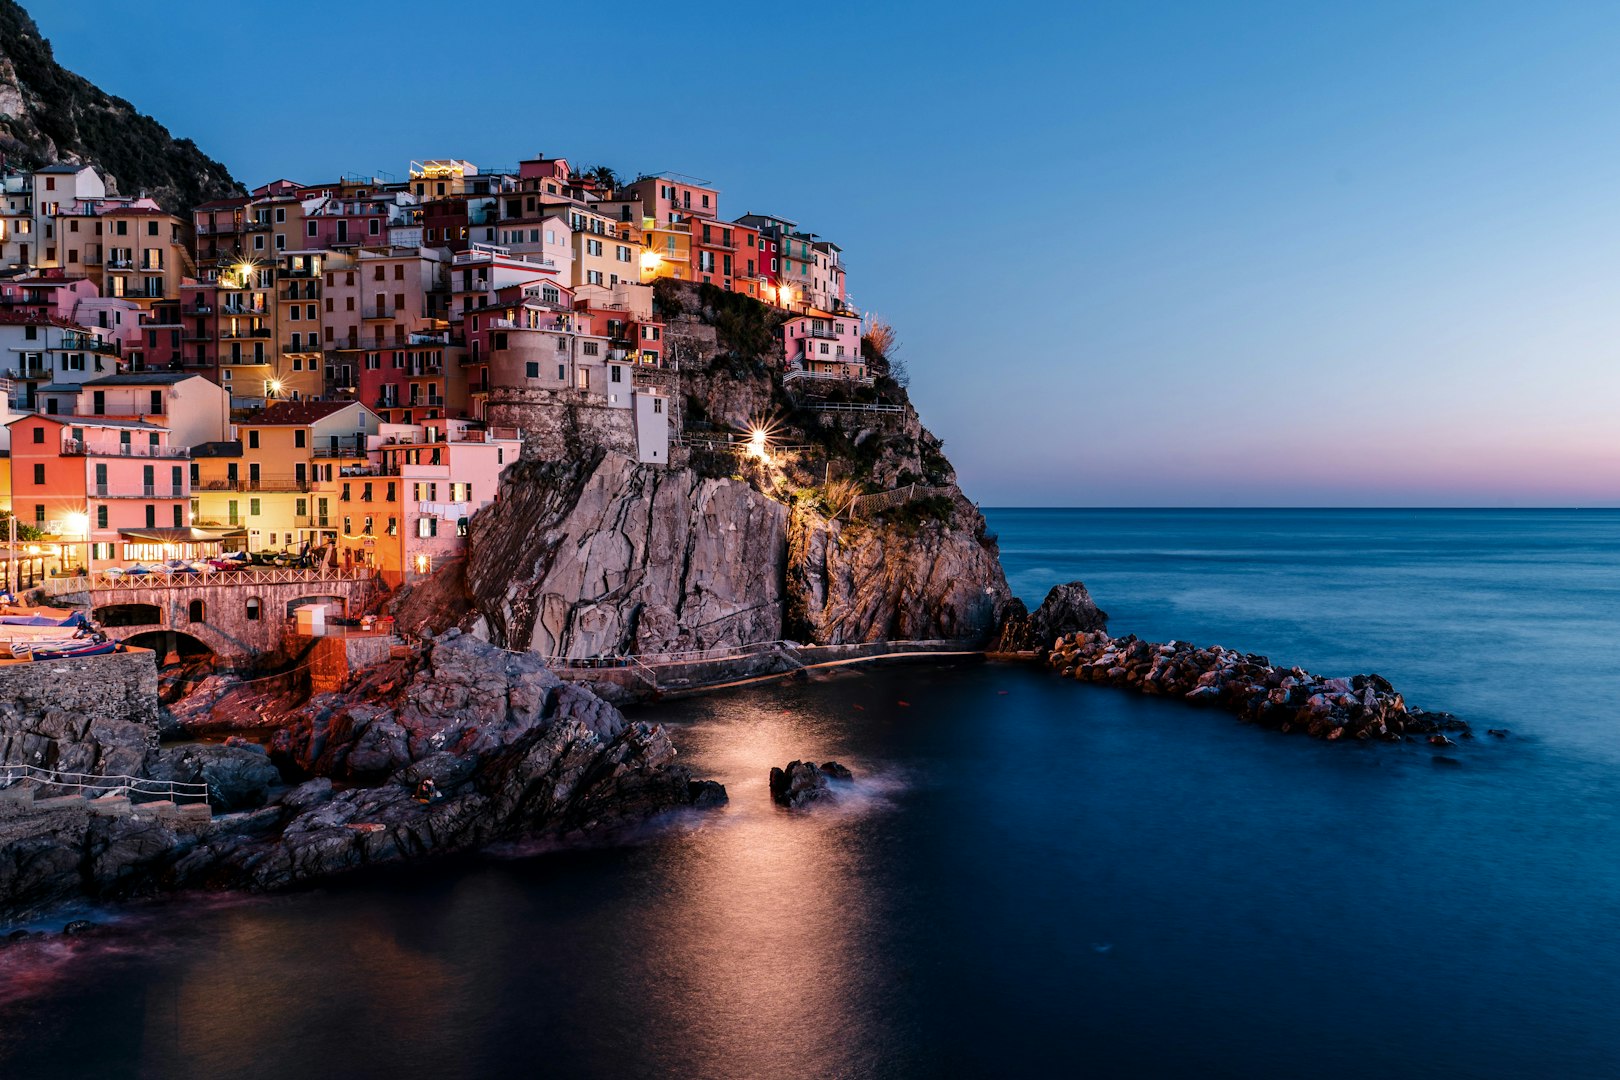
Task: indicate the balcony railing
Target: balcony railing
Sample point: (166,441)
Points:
(137,491)
(386,312)
(90,448)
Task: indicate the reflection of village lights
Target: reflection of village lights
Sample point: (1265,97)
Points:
(75,524)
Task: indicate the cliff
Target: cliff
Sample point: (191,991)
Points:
(49,114)
(588,552)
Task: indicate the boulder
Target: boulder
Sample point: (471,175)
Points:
(800,784)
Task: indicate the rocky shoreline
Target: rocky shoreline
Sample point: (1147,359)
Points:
(1285,699)
(460,746)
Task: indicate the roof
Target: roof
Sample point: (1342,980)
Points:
(223,204)
(297,413)
(62,167)
(217,449)
(89,421)
(142,378)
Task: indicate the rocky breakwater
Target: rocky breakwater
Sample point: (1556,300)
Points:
(458,747)
(1251,687)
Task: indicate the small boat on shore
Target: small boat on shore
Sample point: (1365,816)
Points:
(75,651)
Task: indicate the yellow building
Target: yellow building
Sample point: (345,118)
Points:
(132,250)
(275,479)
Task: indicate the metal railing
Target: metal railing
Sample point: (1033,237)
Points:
(844,406)
(103,581)
(128,786)
(80,448)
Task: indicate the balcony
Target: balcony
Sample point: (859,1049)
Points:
(241,309)
(136,491)
(383,313)
(820,332)
(227,333)
(88,448)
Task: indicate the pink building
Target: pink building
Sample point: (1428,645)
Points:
(118,487)
(821,344)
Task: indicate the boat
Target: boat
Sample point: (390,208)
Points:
(74,652)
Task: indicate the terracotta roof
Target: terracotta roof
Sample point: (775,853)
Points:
(296,413)
(217,449)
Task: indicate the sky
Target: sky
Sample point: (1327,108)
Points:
(1137,254)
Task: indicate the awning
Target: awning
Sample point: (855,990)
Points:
(179,536)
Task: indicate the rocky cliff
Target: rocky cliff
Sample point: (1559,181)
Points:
(596,554)
(49,114)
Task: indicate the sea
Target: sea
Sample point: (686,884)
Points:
(1028,876)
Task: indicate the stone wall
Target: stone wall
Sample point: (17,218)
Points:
(97,714)
(558,423)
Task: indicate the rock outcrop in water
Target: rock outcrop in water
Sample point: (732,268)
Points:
(1067,609)
(1249,686)
(805,782)
(457,748)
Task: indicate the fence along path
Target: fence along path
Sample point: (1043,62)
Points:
(126,786)
(865,505)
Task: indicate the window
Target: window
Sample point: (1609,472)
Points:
(616,374)
(39,474)
(299,437)
(253,439)
(179,521)
(427,527)
(39,434)
(562,371)
(532,370)
(301,507)
(196,611)
(253,508)
(101,517)
(253,608)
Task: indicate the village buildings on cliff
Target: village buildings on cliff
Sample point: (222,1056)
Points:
(349,367)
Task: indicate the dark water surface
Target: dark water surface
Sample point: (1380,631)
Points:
(1031,876)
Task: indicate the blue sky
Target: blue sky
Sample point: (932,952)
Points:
(1137,254)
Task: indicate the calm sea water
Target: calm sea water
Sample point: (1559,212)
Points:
(1030,876)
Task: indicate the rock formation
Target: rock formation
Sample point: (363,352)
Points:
(49,114)
(1284,699)
(456,748)
(804,782)
(1067,609)
(604,555)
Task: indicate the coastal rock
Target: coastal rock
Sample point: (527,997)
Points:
(1067,609)
(512,751)
(602,555)
(800,784)
(1285,699)
(835,771)
(934,580)
(238,776)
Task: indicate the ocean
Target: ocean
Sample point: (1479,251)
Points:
(1029,876)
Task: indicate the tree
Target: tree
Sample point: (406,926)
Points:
(602,175)
(879,346)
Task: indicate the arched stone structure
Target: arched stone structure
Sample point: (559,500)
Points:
(227,629)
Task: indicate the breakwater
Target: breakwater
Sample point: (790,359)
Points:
(1249,686)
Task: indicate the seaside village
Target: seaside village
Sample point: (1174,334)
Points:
(334,376)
